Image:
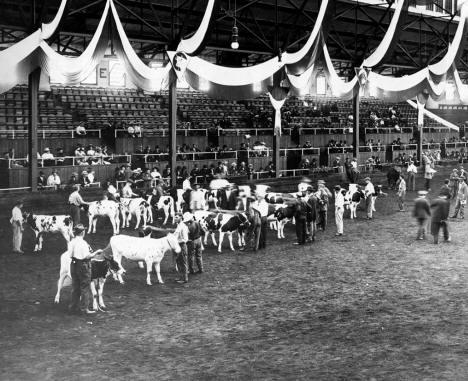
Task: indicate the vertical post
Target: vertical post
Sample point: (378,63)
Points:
(420,128)
(356,99)
(276,154)
(33,89)
(173,125)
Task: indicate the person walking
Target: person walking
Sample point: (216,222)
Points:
(181,234)
(369,192)
(194,245)
(401,193)
(440,212)
(76,201)
(301,221)
(412,170)
(462,196)
(80,271)
(16,222)
(339,210)
(421,211)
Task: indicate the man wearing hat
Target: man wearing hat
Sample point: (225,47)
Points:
(311,219)
(181,234)
(54,180)
(440,214)
(339,210)
(369,192)
(47,155)
(80,271)
(16,222)
(323,195)
(462,196)
(76,201)
(401,193)
(421,211)
(194,245)
(453,182)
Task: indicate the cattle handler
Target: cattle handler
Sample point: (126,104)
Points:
(182,235)
(194,245)
(76,201)
(80,270)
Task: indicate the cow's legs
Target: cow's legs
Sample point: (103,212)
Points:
(221,239)
(281,225)
(230,241)
(144,219)
(40,240)
(94,292)
(274,225)
(241,239)
(138,218)
(90,223)
(94,224)
(59,287)
(166,214)
(213,238)
(149,268)
(100,291)
(158,272)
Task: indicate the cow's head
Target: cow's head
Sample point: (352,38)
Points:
(244,222)
(280,213)
(211,223)
(113,265)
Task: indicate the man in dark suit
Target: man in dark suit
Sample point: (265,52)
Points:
(440,213)
(422,211)
(311,218)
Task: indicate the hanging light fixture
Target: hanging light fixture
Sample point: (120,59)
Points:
(235,32)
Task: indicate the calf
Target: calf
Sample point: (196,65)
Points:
(275,223)
(137,207)
(353,198)
(42,224)
(105,208)
(227,224)
(284,213)
(146,249)
(100,268)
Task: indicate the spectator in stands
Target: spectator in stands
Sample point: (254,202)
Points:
(90,151)
(73,180)
(155,173)
(60,156)
(242,169)
(47,157)
(195,172)
(270,168)
(120,174)
(91,176)
(146,177)
(84,180)
(206,173)
(184,173)
(137,177)
(54,180)
(232,171)
(336,164)
(167,172)
(354,171)
(41,180)
(250,171)
(219,170)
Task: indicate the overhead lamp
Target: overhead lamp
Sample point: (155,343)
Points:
(235,38)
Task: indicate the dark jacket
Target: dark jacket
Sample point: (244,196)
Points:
(422,208)
(440,210)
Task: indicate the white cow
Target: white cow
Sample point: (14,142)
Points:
(100,268)
(146,249)
(42,224)
(137,207)
(105,208)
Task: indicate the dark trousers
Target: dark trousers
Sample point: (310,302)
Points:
(428,184)
(422,222)
(253,237)
(301,230)
(459,208)
(182,264)
(435,228)
(263,233)
(322,219)
(75,214)
(195,254)
(80,272)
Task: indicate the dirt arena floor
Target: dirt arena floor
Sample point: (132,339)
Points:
(374,304)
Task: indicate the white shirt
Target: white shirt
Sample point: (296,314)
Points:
(339,200)
(181,232)
(186,185)
(91,178)
(354,164)
(412,168)
(112,190)
(79,248)
(16,215)
(197,198)
(47,156)
(53,180)
(369,189)
(155,175)
(402,186)
(75,199)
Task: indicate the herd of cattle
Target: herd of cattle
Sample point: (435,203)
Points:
(282,208)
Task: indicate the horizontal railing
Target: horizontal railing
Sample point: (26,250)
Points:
(69,160)
(70,133)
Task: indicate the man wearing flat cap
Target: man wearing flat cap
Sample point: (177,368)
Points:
(422,212)
(76,201)
(440,213)
(323,195)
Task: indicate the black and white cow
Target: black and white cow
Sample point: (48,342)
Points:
(101,267)
(42,224)
(137,207)
(225,224)
(104,208)
(353,198)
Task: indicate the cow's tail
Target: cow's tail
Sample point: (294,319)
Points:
(172,207)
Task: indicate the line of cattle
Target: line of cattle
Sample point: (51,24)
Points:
(282,208)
